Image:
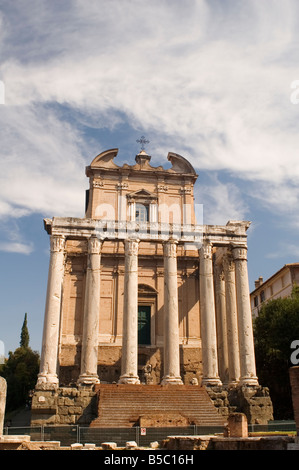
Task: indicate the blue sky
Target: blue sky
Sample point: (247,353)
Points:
(209,80)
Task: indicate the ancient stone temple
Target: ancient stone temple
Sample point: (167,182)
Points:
(142,294)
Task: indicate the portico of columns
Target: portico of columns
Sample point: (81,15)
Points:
(129,362)
(233,316)
(235,354)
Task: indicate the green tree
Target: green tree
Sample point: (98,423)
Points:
(20,371)
(24,334)
(275,328)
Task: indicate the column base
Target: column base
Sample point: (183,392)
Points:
(88,379)
(171,380)
(129,379)
(249,381)
(233,384)
(47,381)
(211,382)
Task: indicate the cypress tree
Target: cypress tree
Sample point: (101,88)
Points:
(24,334)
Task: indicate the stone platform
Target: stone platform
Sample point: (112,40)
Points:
(119,405)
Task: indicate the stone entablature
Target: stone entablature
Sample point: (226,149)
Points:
(234,232)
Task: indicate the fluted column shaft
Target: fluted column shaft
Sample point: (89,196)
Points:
(232,320)
(171,316)
(221,323)
(208,318)
(49,354)
(247,356)
(90,338)
(129,360)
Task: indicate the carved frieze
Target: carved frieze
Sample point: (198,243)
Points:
(162,187)
(121,186)
(97,184)
(185,190)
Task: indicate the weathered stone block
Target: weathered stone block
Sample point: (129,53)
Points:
(76,446)
(3,389)
(68,401)
(237,425)
(74,410)
(131,445)
(89,446)
(109,445)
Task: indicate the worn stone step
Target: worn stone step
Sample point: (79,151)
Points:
(123,405)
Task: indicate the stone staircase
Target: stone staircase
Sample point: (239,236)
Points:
(154,406)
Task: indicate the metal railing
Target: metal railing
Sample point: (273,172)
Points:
(68,435)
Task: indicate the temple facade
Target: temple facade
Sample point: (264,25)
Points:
(139,291)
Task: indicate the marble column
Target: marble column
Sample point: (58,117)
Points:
(232,320)
(129,360)
(208,318)
(221,323)
(246,344)
(171,317)
(90,337)
(47,376)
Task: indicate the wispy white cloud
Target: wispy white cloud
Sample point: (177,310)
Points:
(212,78)
(285,250)
(12,239)
(21,248)
(221,201)
(41,166)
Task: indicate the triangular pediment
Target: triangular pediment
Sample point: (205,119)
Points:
(142,193)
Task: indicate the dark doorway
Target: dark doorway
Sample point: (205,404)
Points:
(144,324)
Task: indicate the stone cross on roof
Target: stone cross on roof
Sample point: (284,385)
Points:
(142,141)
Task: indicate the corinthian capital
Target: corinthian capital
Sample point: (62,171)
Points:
(170,249)
(94,245)
(239,253)
(228,262)
(206,250)
(131,247)
(57,243)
